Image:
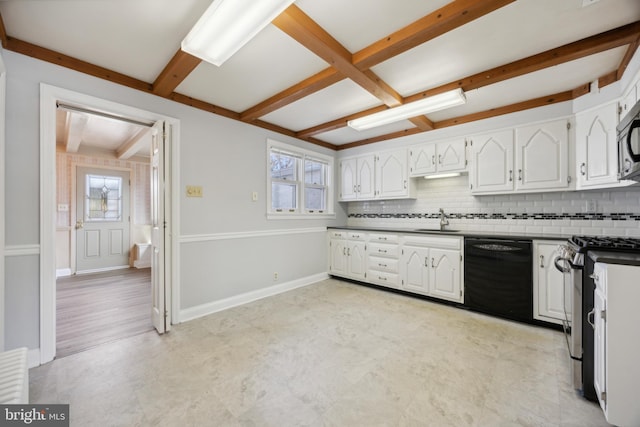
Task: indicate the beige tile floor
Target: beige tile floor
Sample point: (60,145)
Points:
(330,354)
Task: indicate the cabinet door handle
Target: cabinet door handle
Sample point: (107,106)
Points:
(344,251)
(359,188)
(433,159)
(582,169)
(426,262)
(590,318)
(382,278)
(432,263)
(511,175)
(594,276)
(382,251)
(541,261)
(381,265)
(519,174)
(439,159)
(405,184)
(348,251)
(355,188)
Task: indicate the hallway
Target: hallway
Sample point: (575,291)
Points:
(94,309)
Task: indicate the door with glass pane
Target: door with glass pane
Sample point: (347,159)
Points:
(102,219)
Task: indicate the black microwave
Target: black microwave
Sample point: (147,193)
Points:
(629,145)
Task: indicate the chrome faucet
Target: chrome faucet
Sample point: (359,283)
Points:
(443,220)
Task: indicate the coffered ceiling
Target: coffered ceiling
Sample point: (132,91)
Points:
(323,62)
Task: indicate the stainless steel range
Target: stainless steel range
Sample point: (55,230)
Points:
(577,266)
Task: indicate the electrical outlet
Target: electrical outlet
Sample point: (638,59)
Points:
(194,191)
(590,206)
(275,276)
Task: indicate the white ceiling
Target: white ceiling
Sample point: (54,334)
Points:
(139,37)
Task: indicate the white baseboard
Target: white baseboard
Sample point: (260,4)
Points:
(102,270)
(33,357)
(234,301)
(63,272)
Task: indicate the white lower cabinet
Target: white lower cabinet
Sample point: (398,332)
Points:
(615,318)
(382,265)
(549,294)
(422,264)
(347,254)
(432,266)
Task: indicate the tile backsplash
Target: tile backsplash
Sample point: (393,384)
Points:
(611,212)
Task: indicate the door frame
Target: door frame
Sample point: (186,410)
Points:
(49,97)
(74,200)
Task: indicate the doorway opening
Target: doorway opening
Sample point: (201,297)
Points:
(103,195)
(106,263)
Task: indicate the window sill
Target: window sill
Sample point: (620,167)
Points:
(286,215)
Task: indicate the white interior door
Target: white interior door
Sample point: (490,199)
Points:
(160,308)
(102,219)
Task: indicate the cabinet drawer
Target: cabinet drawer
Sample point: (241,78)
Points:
(430,241)
(383,278)
(357,235)
(384,238)
(383,264)
(337,234)
(380,249)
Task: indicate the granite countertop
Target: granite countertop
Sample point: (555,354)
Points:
(463,233)
(615,257)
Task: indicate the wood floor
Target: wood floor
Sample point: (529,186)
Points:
(93,309)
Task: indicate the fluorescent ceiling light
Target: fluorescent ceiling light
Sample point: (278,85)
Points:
(412,109)
(227,25)
(442,175)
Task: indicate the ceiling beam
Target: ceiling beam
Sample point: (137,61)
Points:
(437,23)
(445,19)
(74,129)
(299,26)
(616,74)
(337,124)
(133,144)
(569,52)
(3,33)
(315,83)
(180,66)
(48,55)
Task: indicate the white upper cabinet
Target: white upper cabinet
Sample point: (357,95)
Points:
(436,157)
(392,174)
(357,178)
(525,159)
(492,162)
(422,159)
(596,147)
(383,175)
(542,156)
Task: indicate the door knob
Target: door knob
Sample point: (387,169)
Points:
(79,224)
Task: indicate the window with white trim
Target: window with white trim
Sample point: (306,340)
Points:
(298,182)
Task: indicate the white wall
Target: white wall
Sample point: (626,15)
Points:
(225,157)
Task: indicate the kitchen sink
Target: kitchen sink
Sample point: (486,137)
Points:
(437,230)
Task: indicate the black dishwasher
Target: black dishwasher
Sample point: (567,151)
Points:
(498,277)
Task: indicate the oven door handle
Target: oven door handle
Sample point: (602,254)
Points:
(562,268)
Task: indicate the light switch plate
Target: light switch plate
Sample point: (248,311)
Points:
(63,207)
(254,196)
(194,191)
